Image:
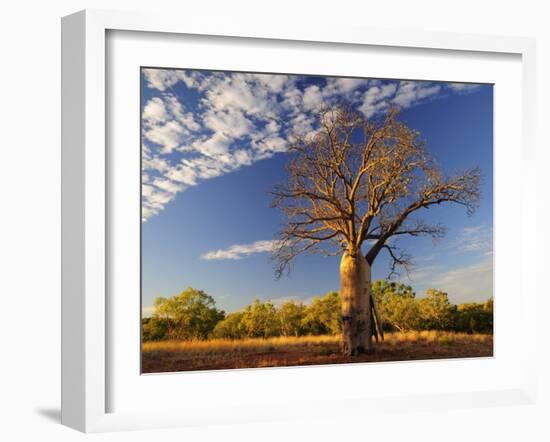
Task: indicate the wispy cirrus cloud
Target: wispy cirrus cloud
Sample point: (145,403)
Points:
(463,87)
(476,239)
(240,251)
(467,283)
(463,283)
(198,125)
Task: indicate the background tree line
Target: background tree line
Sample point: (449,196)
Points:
(193,315)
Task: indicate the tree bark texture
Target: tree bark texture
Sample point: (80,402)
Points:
(355,290)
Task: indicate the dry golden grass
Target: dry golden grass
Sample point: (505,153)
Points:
(306,350)
(240,345)
(435,336)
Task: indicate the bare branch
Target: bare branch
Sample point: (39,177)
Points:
(356,179)
(462,190)
(399,259)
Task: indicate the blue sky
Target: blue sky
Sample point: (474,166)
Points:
(214,145)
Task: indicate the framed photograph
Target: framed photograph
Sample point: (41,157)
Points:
(298,165)
(261,223)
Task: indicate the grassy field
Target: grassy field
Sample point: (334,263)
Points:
(216,354)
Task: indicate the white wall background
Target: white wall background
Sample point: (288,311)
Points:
(30,215)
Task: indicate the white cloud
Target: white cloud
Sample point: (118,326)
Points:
(303,123)
(191,171)
(186,119)
(463,87)
(166,123)
(228,138)
(155,163)
(343,86)
(205,167)
(239,251)
(154,199)
(375,99)
(241,93)
(465,283)
(270,145)
(168,135)
(312,98)
(476,239)
(183,173)
(272,127)
(237,119)
(232,123)
(275,83)
(469,283)
(412,92)
(155,112)
(167,185)
(217,144)
(162,79)
(292,100)
(420,273)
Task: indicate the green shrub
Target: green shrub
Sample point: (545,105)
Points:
(193,315)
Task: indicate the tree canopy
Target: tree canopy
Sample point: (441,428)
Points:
(182,316)
(358,179)
(190,315)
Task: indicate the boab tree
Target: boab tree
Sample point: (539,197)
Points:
(359,181)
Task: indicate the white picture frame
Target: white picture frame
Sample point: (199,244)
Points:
(85,200)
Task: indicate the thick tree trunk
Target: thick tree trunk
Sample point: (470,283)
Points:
(355,288)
